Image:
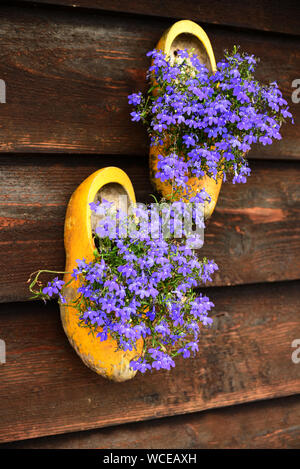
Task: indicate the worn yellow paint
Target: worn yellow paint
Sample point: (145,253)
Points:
(165,44)
(101,357)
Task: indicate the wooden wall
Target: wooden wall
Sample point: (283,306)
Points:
(68,72)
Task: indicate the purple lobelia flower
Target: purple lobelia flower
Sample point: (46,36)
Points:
(141,287)
(206,122)
(54,287)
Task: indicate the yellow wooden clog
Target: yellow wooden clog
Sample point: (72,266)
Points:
(102,357)
(186,34)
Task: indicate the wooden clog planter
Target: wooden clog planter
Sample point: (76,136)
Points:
(187,35)
(102,357)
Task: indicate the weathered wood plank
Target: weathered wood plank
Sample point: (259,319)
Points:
(257,14)
(272,424)
(254,234)
(68,76)
(45,389)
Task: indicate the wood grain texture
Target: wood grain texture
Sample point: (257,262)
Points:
(272,424)
(254,233)
(45,389)
(257,14)
(68,73)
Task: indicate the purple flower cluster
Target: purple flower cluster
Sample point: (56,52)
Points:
(53,288)
(141,283)
(141,287)
(206,122)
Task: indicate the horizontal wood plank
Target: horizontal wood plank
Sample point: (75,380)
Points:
(246,356)
(257,14)
(68,74)
(254,233)
(272,424)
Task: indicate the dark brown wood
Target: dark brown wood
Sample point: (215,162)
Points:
(254,234)
(68,74)
(257,14)
(45,388)
(273,424)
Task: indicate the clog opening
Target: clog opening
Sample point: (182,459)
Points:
(189,41)
(112,192)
